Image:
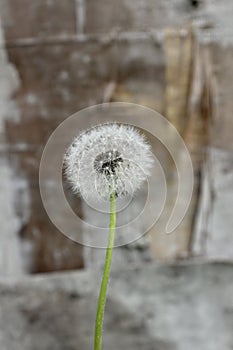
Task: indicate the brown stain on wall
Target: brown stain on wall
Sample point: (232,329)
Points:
(188,107)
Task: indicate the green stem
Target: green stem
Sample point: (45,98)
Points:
(105,279)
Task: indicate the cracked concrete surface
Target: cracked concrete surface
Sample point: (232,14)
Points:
(173,307)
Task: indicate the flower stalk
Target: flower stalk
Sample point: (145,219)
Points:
(106,274)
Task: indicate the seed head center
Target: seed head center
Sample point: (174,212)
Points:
(107,163)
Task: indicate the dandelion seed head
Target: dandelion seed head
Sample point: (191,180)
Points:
(109,156)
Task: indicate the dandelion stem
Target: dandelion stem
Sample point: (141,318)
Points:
(105,279)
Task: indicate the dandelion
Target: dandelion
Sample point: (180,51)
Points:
(109,154)
(104,163)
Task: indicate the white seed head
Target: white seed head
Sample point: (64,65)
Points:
(107,157)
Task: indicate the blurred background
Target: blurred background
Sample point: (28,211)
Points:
(57,57)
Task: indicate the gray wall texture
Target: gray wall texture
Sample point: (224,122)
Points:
(57,57)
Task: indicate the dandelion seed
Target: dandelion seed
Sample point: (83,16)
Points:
(109,155)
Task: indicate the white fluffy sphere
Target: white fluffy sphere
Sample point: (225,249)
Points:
(108,157)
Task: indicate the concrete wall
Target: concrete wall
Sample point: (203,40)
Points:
(69,55)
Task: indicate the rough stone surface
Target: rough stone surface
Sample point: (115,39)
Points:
(214,238)
(221,130)
(219,241)
(59,57)
(213,17)
(68,55)
(151,307)
(127,15)
(30,19)
(10,260)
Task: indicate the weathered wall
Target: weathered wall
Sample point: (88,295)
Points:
(10,257)
(69,55)
(57,57)
(151,308)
